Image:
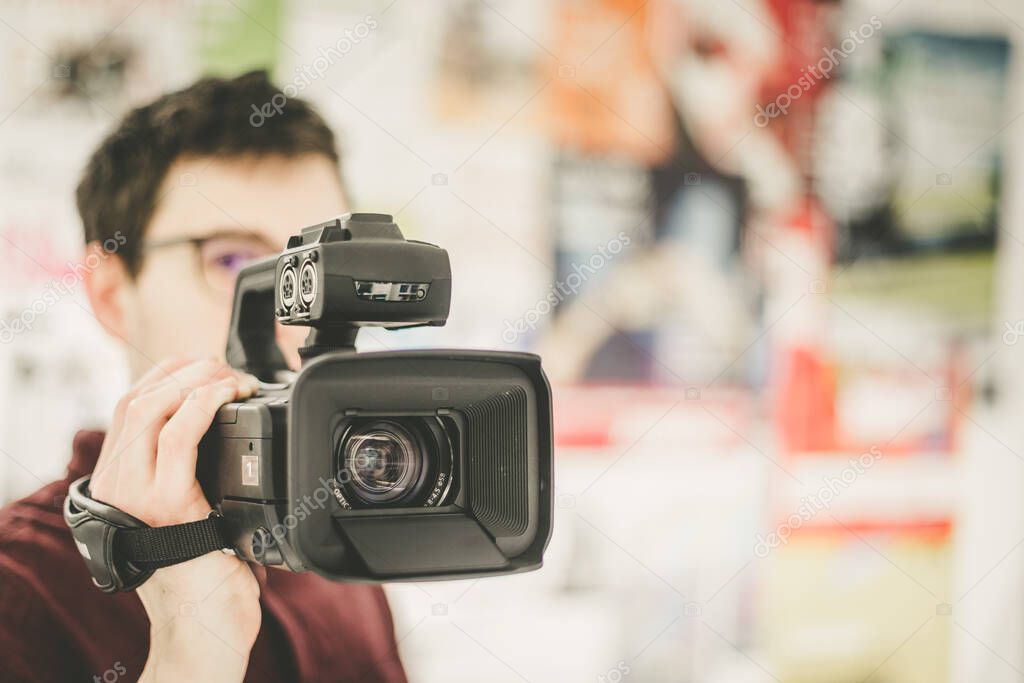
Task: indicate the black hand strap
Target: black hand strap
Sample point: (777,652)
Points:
(153,548)
(122,551)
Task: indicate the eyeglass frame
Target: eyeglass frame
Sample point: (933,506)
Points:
(198,241)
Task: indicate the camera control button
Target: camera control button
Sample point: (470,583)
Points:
(264,547)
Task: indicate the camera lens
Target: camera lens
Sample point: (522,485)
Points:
(394,462)
(383,462)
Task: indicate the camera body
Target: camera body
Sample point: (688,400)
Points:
(385,466)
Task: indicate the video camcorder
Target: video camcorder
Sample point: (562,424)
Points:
(384,466)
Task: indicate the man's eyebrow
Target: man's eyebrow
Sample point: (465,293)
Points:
(236,230)
(203,235)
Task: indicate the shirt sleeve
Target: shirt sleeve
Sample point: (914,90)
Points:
(31,640)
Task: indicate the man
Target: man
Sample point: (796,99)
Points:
(189,189)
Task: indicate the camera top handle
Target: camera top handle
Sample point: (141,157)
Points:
(252,343)
(334,277)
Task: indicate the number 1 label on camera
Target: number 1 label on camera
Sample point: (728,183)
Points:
(250,470)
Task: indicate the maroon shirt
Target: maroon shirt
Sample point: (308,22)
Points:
(56,626)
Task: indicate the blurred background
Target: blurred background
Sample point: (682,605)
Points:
(770,251)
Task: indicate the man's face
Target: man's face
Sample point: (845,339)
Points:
(237,210)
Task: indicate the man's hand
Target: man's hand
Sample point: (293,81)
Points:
(204,614)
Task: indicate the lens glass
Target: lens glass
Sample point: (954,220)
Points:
(382,462)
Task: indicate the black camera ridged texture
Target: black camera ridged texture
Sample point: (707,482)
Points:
(498,486)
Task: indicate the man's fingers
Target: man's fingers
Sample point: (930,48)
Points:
(169,396)
(154,374)
(132,456)
(163,398)
(177,445)
(154,453)
(190,376)
(160,371)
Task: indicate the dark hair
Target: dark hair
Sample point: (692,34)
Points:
(211,117)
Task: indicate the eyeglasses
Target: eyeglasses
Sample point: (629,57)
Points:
(220,255)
